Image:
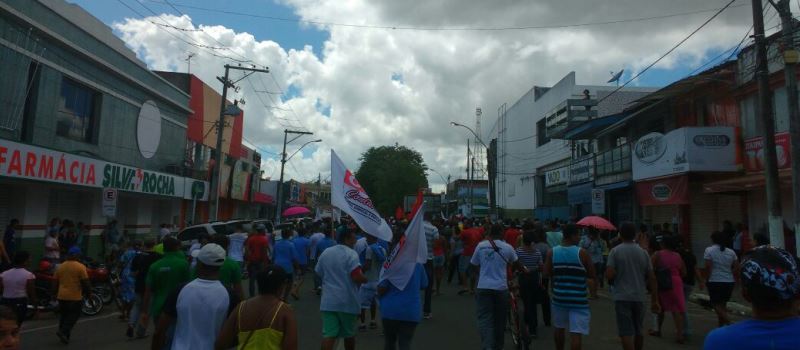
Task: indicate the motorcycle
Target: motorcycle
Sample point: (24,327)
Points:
(105,283)
(46,299)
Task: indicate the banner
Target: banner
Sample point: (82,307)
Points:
(667,191)
(410,251)
(754,152)
(347,195)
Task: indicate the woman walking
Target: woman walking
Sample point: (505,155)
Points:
(530,283)
(722,267)
(127,279)
(669,265)
(263,322)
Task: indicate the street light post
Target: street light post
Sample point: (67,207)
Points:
(284,159)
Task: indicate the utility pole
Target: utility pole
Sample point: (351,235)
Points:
(766,122)
(790,58)
(469,180)
(286,133)
(472,189)
(213,203)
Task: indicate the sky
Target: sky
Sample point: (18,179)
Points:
(364,73)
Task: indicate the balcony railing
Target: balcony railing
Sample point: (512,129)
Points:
(569,114)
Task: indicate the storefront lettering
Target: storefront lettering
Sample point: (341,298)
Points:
(661,192)
(138,180)
(67,169)
(650,147)
(711,141)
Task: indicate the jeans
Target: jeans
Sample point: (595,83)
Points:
(492,308)
(530,291)
(252,270)
(543,298)
(70,313)
(452,268)
(398,334)
(133,318)
(426,308)
(687,291)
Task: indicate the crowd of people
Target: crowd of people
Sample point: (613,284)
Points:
(194,299)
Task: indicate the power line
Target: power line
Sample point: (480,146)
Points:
(668,52)
(423,28)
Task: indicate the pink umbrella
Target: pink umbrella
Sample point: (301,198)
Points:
(596,222)
(292,211)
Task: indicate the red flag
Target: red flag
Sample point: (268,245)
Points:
(417,204)
(398,213)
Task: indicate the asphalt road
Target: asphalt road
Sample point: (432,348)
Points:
(453,327)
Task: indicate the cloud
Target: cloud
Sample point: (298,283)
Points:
(443,74)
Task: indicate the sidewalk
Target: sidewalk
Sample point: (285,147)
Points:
(736,305)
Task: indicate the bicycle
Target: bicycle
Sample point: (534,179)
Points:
(516,318)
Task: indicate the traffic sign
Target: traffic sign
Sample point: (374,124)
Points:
(110,202)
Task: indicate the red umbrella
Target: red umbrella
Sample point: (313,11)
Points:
(596,222)
(296,211)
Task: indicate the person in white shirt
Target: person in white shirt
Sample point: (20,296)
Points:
(492,257)
(431,235)
(52,251)
(163,232)
(236,247)
(199,308)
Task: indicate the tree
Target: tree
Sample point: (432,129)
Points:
(389,173)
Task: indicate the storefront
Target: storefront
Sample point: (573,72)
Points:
(579,192)
(554,203)
(39,184)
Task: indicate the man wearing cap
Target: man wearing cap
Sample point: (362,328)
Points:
(197,309)
(72,283)
(771,283)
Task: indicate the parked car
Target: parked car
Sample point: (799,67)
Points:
(188,236)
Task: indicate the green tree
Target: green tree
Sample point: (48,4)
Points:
(388,173)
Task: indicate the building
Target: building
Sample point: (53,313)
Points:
(240,171)
(82,113)
(532,157)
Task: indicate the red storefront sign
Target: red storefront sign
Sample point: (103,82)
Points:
(264,198)
(665,191)
(754,152)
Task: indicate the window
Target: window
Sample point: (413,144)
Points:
(780,110)
(616,160)
(78,111)
(541,132)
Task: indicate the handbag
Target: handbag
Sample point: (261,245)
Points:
(663,278)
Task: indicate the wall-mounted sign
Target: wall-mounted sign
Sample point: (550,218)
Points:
(598,201)
(683,150)
(109,202)
(754,152)
(581,171)
(22,161)
(666,191)
(556,176)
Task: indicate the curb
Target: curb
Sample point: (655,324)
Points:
(704,301)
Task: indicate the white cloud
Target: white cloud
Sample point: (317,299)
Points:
(445,74)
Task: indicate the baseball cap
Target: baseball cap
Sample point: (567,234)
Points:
(211,254)
(771,269)
(74,250)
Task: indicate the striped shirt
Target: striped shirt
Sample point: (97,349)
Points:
(431,234)
(532,259)
(569,278)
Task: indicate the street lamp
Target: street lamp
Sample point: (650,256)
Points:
(283,164)
(478,138)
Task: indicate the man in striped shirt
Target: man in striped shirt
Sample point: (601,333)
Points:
(570,269)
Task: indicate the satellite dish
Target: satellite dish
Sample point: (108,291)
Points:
(615,77)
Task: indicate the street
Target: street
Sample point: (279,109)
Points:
(453,327)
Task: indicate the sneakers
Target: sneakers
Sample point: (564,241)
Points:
(427,316)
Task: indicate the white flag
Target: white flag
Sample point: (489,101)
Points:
(347,195)
(410,251)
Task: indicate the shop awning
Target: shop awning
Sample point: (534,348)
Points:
(614,186)
(579,194)
(746,182)
(589,129)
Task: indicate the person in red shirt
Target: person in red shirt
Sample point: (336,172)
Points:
(511,235)
(470,236)
(256,255)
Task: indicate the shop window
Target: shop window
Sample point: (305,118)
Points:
(780,110)
(616,160)
(541,133)
(78,111)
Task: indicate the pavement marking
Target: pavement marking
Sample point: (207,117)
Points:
(24,331)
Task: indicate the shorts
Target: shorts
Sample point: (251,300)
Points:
(573,320)
(463,263)
(367,293)
(438,261)
(338,324)
(630,317)
(720,292)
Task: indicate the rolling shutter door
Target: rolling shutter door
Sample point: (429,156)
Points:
(64,205)
(5,200)
(704,221)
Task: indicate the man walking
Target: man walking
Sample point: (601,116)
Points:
(431,235)
(139,267)
(492,257)
(256,255)
(197,309)
(236,245)
(163,278)
(72,283)
(632,274)
(341,274)
(570,269)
